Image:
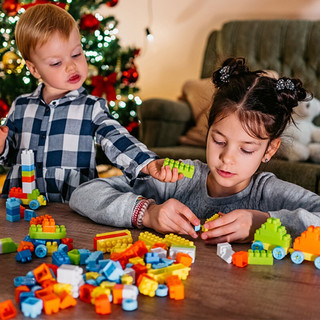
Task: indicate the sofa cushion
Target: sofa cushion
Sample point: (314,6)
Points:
(199,94)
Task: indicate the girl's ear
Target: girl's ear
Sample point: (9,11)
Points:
(272,149)
(32,68)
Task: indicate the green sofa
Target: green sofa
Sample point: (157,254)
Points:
(290,47)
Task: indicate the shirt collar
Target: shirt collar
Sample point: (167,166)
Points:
(71,95)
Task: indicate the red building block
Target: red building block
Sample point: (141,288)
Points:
(7,310)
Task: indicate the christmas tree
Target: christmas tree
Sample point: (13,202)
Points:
(112,72)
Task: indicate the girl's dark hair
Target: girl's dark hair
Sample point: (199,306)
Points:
(263,104)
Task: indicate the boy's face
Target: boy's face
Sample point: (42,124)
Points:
(60,64)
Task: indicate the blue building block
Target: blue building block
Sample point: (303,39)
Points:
(24,256)
(41,251)
(113,271)
(197,228)
(92,266)
(32,307)
(28,214)
(94,256)
(152,257)
(84,254)
(25,295)
(63,247)
(24,281)
(27,167)
(162,290)
(129,304)
(60,257)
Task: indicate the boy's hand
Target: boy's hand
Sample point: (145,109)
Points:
(3,136)
(171,216)
(165,174)
(236,226)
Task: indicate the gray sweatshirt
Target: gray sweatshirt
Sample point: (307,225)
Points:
(111,201)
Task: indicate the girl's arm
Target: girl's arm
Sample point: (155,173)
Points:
(296,207)
(114,202)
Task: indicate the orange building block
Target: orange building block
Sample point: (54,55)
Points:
(49,225)
(25,245)
(51,303)
(160,245)
(102,304)
(117,294)
(43,292)
(240,259)
(176,287)
(7,310)
(85,292)
(22,210)
(42,273)
(27,179)
(184,258)
(308,241)
(18,291)
(66,300)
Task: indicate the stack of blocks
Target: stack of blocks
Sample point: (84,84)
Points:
(13,209)
(27,171)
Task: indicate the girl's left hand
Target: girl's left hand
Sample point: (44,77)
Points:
(236,226)
(165,174)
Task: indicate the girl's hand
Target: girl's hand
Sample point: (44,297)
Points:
(165,174)
(171,216)
(3,136)
(236,226)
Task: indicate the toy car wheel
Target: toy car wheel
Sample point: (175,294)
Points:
(317,262)
(41,251)
(297,257)
(257,245)
(34,204)
(278,253)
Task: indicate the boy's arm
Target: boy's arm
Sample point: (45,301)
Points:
(122,149)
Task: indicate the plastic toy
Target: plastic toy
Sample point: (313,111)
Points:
(260,257)
(225,252)
(7,310)
(272,236)
(176,287)
(105,241)
(186,169)
(7,245)
(307,247)
(28,195)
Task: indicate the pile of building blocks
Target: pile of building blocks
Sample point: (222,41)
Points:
(152,266)
(28,194)
(186,169)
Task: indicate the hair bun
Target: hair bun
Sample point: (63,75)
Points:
(230,68)
(290,92)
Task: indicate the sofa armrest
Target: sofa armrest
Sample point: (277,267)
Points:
(163,122)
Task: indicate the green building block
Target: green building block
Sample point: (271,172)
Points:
(35,232)
(7,245)
(186,169)
(74,256)
(262,257)
(273,233)
(34,194)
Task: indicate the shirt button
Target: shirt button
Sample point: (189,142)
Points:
(47,109)
(43,136)
(54,103)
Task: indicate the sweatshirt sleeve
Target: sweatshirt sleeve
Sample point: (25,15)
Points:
(111,201)
(296,207)
(122,149)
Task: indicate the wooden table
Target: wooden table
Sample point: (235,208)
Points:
(213,290)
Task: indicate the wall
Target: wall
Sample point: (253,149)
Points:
(181,28)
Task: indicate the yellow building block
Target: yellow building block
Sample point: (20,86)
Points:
(150,239)
(98,291)
(160,275)
(137,260)
(173,239)
(148,286)
(214,217)
(106,241)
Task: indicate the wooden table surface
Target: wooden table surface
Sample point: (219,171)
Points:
(213,290)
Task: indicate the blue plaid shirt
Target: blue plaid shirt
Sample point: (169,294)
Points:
(62,135)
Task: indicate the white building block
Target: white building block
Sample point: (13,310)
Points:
(224,251)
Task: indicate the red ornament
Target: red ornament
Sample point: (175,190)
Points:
(89,22)
(130,75)
(59,4)
(105,85)
(11,7)
(132,125)
(112,3)
(3,109)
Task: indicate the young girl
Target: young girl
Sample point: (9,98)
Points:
(248,115)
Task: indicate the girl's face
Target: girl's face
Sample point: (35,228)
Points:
(233,156)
